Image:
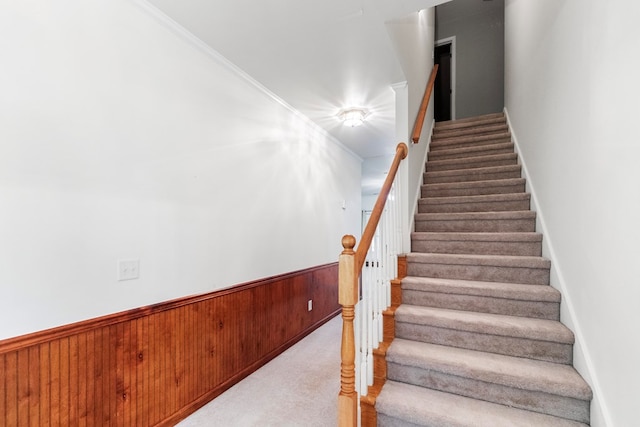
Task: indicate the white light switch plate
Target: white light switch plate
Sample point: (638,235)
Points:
(128,269)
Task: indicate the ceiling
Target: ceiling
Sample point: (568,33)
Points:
(318,56)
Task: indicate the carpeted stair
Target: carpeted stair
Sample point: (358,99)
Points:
(478,337)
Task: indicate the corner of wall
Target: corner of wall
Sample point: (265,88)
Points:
(195,41)
(581,358)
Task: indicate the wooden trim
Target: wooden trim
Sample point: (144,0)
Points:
(402,266)
(422,112)
(155,365)
(47,335)
(396,284)
(348,297)
(369,414)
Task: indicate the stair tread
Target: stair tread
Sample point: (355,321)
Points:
(461,123)
(476,215)
(483,237)
(471,149)
(518,372)
(480,260)
(478,171)
(487,158)
(473,124)
(479,123)
(474,184)
(475,130)
(407,402)
(478,118)
(513,291)
(440,143)
(493,324)
(476,198)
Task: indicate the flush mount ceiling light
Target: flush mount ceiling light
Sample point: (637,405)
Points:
(353,117)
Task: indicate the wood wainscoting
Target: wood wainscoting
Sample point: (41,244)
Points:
(155,365)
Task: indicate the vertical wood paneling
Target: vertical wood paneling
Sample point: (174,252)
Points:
(11,388)
(167,379)
(118,361)
(34,385)
(3,388)
(140,419)
(23,387)
(64,382)
(172,350)
(44,404)
(81,363)
(99,377)
(54,380)
(89,378)
(106,377)
(126,374)
(74,384)
(154,368)
(155,365)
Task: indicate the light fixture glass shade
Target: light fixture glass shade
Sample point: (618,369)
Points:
(353,117)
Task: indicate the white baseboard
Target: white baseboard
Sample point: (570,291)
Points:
(581,359)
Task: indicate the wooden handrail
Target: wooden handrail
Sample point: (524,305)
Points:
(349,269)
(417,126)
(367,236)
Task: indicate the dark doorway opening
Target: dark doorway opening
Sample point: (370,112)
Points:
(442,87)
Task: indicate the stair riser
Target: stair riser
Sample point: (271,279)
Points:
(510,346)
(466,141)
(472,124)
(463,155)
(472,190)
(477,226)
(477,247)
(497,119)
(446,165)
(470,176)
(477,130)
(522,275)
(518,205)
(536,401)
(509,307)
(436,146)
(470,121)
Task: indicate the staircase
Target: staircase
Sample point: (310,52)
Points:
(478,337)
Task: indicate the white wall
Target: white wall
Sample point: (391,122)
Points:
(121,137)
(374,173)
(572,89)
(479,30)
(413,40)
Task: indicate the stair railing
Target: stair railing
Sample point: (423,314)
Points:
(364,295)
(422,112)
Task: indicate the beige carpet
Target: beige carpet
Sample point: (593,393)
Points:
(298,388)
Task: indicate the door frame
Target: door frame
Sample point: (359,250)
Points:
(452,42)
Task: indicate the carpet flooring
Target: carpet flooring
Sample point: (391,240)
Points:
(298,388)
